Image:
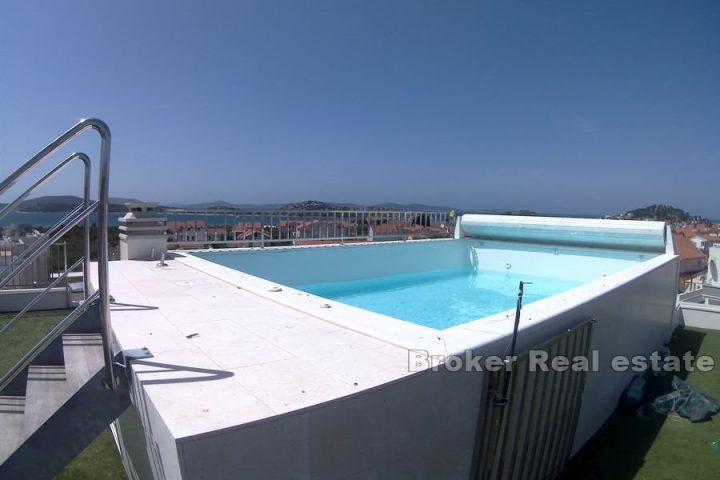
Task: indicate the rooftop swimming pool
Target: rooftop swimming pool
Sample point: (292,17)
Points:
(440,298)
(435,284)
(299,337)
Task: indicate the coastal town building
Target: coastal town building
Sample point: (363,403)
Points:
(693,262)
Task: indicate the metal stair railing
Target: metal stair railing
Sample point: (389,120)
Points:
(39,297)
(55,233)
(86,202)
(73,218)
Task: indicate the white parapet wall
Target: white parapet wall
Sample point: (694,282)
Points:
(701,308)
(142,247)
(14,300)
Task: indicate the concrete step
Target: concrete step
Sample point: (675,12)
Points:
(11,425)
(11,419)
(12,404)
(87,410)
(83,356)
(47,390)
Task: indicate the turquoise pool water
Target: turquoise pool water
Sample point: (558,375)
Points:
(440,298)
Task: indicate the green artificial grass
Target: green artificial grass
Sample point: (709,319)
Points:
(100,460)
(22,335)
(652,446)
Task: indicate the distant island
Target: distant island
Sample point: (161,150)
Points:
(663,213)
(523,213)
(221,205)
(62,203)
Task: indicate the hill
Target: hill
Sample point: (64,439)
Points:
(309,205)
(60,203)
(222,205)
(122,200)
(411,206)
(304,205)
(663,213)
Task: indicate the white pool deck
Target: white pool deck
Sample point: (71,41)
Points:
(273,359)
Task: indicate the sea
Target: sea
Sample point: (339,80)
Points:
(48,219)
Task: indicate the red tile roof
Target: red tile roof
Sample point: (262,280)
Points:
(175,226)
(248,227)
(685,248)
(390,227)
(195,224)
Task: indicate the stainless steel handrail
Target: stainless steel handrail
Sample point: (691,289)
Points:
(78,128)
(10,207)
(56,331)
(35,247)
(86,202)
(101,205)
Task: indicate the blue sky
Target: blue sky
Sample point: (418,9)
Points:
(572,106)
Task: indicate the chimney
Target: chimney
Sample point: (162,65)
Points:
(142,232)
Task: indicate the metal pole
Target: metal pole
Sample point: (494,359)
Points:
(503,399)
(86,234)
(103,274)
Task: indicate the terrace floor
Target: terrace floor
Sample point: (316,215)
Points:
(232,356)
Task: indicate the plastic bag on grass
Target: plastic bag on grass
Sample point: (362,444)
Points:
(687,401)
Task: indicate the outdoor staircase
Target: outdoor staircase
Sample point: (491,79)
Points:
(63,392)
(62,410)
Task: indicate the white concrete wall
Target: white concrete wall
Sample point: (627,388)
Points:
(301,266)
(701,316)
(298,266)
(562,263)
(701,308)
(159,445)
(14,300)
(693,265)
(423,426)
(136,247)
(635,319)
